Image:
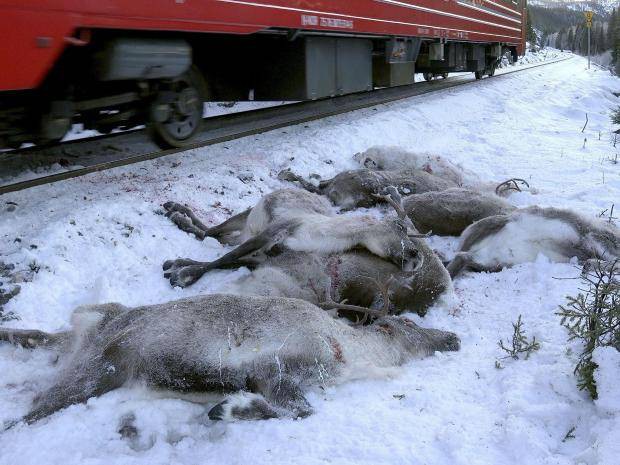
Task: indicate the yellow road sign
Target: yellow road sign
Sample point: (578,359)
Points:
(588,15)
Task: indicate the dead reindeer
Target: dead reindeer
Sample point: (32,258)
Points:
(260,353)
(389,158)
(357,188)
(299,274)
(272,208)
(386,158)
(417,289)
(351,276)
(500,241)
(295,220)
(449,212)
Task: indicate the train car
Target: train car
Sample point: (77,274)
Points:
(120,63)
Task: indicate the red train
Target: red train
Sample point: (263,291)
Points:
(120,63)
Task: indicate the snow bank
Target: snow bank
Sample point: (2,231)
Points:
(607,377)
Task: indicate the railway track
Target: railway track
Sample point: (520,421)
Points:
(84,156)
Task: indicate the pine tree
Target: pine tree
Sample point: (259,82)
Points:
(599,42)
(593,317)
(611,27)
(581,40)
(570,41)
(530,35)
(577,39)
(561,39)
(616,45)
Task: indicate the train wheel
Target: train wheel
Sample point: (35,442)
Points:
(479,74)
(444,75)
(428,76)
(176,114)
(492,70)
(55,122)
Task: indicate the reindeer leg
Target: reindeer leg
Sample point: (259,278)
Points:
(82,380)
(288,175)
(32,338)
(71,390)
(284,393)
(234,224)
(459,263)
(464,261)
(171,265)
(184,272)
(185,219)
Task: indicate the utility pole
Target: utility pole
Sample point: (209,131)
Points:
(588,15)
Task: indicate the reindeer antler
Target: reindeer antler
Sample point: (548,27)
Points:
(384,288)
(511,184)
(396,202)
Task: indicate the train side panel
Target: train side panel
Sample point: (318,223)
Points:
(37,31)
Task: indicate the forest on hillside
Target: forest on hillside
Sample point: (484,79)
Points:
(565,29)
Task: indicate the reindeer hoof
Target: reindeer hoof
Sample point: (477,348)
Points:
(178,279)
(174,207)
(127,427)
(286,175)
(242,406)
(183,272)
(181,220)
(452,343)
(178,263)
(217,413)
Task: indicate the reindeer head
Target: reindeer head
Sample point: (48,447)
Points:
(368,159)
(413,339)
(352,189)
(407,338)
(399,248)
(389,239)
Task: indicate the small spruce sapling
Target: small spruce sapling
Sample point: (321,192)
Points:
(615,116)
(593,316)
(519,343)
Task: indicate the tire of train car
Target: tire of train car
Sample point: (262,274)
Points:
(428,76)
(479,74)
(444,75)
(176,113)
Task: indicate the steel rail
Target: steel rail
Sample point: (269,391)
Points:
(105,152)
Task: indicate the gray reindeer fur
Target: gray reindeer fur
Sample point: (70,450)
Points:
(388,158)
(264,352)
(449,212)
(352,275)
(296,220)
(518,237)
(358,188)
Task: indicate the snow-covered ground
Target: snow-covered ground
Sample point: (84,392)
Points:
(100,238)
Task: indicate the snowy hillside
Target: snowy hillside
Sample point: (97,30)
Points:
(100,238)
(598,6)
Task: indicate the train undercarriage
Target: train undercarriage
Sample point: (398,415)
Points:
(118,80)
